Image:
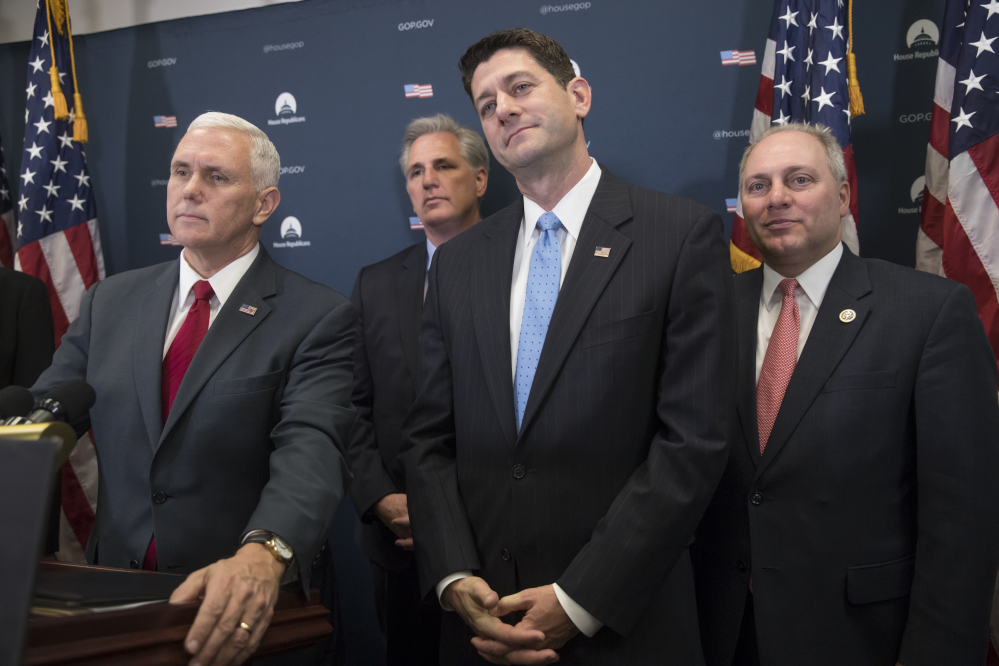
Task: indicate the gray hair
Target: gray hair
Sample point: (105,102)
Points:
(265,163)
(834,153)
(472,147)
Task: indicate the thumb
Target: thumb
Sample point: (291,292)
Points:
(510,603)
(190,589)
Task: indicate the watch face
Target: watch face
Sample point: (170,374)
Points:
(282,548)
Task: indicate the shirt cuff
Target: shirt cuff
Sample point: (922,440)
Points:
(586,623)
(447,580)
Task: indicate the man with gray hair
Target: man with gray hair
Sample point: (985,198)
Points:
(446,170)
(223,400)
(858,518)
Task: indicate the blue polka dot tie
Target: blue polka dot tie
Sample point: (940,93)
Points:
(542,292)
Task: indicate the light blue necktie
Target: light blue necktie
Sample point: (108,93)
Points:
(542,292)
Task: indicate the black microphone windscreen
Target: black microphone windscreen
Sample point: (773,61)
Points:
(15,401)
(76,397)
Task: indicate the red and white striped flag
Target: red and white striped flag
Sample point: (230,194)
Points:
(811,90)
(57,239)
(959,231)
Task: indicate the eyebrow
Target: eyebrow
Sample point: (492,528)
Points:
(506,81)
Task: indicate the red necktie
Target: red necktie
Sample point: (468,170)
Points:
(778,364)
(175,364)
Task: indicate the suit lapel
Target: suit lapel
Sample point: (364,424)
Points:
(409,285)
(492,276)
(147,350)
(748,288)
(584,282)
(828,342)
(228,330)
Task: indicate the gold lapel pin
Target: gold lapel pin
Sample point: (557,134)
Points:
(602,252)
(846,316)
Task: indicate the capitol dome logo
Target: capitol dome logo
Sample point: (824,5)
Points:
(922,33)
(916,191)
(291,228)
(285,105)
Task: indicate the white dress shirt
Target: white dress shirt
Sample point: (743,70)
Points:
(222,283)
(570,211)
(431,248)
(811,289)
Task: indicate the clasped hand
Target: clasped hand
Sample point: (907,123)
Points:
(240,590)
(544,628)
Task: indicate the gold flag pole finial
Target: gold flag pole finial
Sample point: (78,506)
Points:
(853,86)
(58,99)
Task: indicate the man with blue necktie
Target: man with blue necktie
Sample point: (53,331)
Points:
(571,423)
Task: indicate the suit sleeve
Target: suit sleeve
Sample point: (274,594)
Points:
(35,336)
(652,520)
(957,476)
(441,531)
(70,360)
(371,480)
(308,470)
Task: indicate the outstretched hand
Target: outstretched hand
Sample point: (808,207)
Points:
(476,603)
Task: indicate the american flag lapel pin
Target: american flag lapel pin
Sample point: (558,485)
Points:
(248,309)
(602,252)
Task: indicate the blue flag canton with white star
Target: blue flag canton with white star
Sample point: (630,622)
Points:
(974,112)
(810,65)
(55,192)
(6,198)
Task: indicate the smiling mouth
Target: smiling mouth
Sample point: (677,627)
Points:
(519,130)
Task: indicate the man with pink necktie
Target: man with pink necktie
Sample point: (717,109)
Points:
(857,519)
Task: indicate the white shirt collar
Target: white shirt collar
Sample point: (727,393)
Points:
(814,281)
(431,248)
(222,282)
(570,210)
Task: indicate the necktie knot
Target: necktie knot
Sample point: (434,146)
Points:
(203,290)
(549,222)
(787,286)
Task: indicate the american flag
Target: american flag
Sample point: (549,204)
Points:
(164,121)
(58,241)
(738,57)
(415,224)
(6,217)
(417,90)
(168,239)
(731,204)
(960,217)
(806,57)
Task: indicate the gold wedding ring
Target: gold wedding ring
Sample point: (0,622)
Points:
(246,626)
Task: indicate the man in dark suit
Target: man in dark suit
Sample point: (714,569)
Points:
(26,337)
(570,426)
(446,166)
(857,519)
(223,399)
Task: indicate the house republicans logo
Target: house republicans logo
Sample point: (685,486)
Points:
(916,194)
(922,37)
(291,234)
(285,107)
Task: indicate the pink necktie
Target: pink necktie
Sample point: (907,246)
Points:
(175,363)
(779,362)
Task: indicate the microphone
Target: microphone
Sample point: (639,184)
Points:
(66,402)
(15,401)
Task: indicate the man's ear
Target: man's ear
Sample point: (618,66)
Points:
(481,181)
(581,94)
(267,203)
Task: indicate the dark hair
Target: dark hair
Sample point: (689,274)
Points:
(545,50)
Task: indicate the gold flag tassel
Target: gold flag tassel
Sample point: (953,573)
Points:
(58,99)
(853,86)
(80,132)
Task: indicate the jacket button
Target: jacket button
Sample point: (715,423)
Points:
(505,554)
(134,564)
(159,498)
(756,498)
(741,566)
(519,472)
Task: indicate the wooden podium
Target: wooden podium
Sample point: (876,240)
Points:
(154,634)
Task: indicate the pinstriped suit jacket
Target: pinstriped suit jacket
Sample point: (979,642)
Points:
(624,434)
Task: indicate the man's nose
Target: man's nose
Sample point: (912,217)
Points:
(430,178)
(194,188)
(779,196)
(506,106)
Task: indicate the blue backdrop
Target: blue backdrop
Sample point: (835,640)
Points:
(667,114)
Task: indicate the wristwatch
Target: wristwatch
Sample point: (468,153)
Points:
(277,546)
